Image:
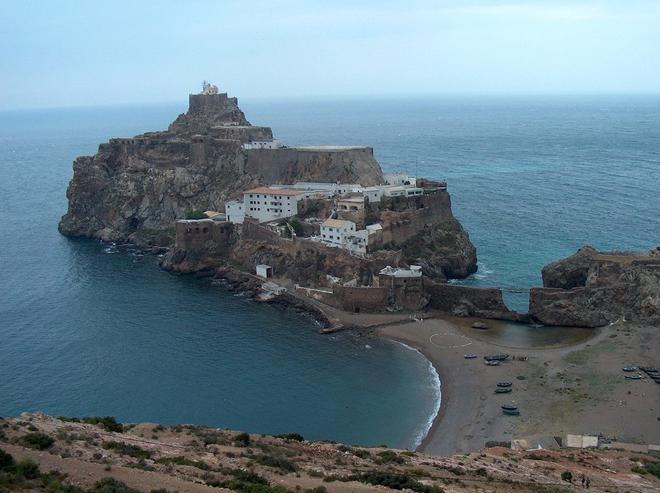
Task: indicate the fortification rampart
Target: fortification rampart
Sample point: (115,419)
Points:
(290,164)
(469,301)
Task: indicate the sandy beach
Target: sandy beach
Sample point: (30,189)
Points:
(571,382)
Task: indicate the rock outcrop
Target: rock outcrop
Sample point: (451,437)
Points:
(592,289)
(134,189)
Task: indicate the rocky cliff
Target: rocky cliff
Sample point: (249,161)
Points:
(134,189)
(592,289)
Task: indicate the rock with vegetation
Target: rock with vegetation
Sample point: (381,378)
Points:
(154,458)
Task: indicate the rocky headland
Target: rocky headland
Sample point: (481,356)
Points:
(592,289)
(134,189)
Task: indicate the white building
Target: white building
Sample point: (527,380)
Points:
(263,144)
(373,193)
(413,272)
(269,203)
(235,212)
(400,179)
(333,188)
(336,231)
(402,191)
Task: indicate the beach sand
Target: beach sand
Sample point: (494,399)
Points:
(571,382)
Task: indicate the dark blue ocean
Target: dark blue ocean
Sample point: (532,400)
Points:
(87,328)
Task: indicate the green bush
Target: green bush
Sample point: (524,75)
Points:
(109,423)
(567,476)
(111,485)
(195,214)
(653,468)
(242,440)
(37,440)
(6,460)
(126,449)
(280,463)
(291,436)
(184,461)
(297,226)
(396,481)
(389,457)
(27,469)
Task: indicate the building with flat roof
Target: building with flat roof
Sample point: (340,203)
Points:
(269,203)
(335,231)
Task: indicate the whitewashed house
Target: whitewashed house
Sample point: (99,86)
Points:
(270,203)
(336,231)
(235,212)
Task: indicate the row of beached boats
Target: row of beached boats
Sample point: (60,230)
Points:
(637,373)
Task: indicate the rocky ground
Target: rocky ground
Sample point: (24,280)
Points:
(60,455)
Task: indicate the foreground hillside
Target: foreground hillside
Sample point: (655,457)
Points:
(42,453)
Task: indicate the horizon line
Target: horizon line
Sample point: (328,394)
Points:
(353,96)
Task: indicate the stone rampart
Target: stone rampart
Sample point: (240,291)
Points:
(469,301)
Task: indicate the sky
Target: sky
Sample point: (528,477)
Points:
(77,53)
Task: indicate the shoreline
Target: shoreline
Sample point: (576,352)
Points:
(469,415)
(420,439)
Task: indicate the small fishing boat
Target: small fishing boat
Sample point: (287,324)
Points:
(501,390)
(496,357)
(629,368)
(656,380)
(504,384)
(493,363)
(469,356)
(634,376)
(509,407)
(648,369)
(510,410)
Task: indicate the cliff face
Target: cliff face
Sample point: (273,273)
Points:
(134,189)
(592,289)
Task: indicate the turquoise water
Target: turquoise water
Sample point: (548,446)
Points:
(92,329)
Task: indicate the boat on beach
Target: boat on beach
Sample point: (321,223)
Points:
(501,390)
(629,368)
(634,376)
(648,369)
(469,356)
(496,357)
(510,410)
(504,384)
(493,363)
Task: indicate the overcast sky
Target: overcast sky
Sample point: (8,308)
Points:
(72,53)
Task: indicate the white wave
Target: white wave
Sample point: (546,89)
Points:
(437,398)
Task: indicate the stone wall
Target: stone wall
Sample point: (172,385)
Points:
(469,301)
(361,299)
(409,215)
(290,164)
(204,236)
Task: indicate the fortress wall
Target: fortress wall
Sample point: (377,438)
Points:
(411,214)
(468,300)
(242,133)
(290,164)
(361,299)
(203,237)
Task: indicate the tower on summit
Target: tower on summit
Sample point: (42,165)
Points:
(208,88)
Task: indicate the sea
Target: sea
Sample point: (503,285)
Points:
(91,328)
